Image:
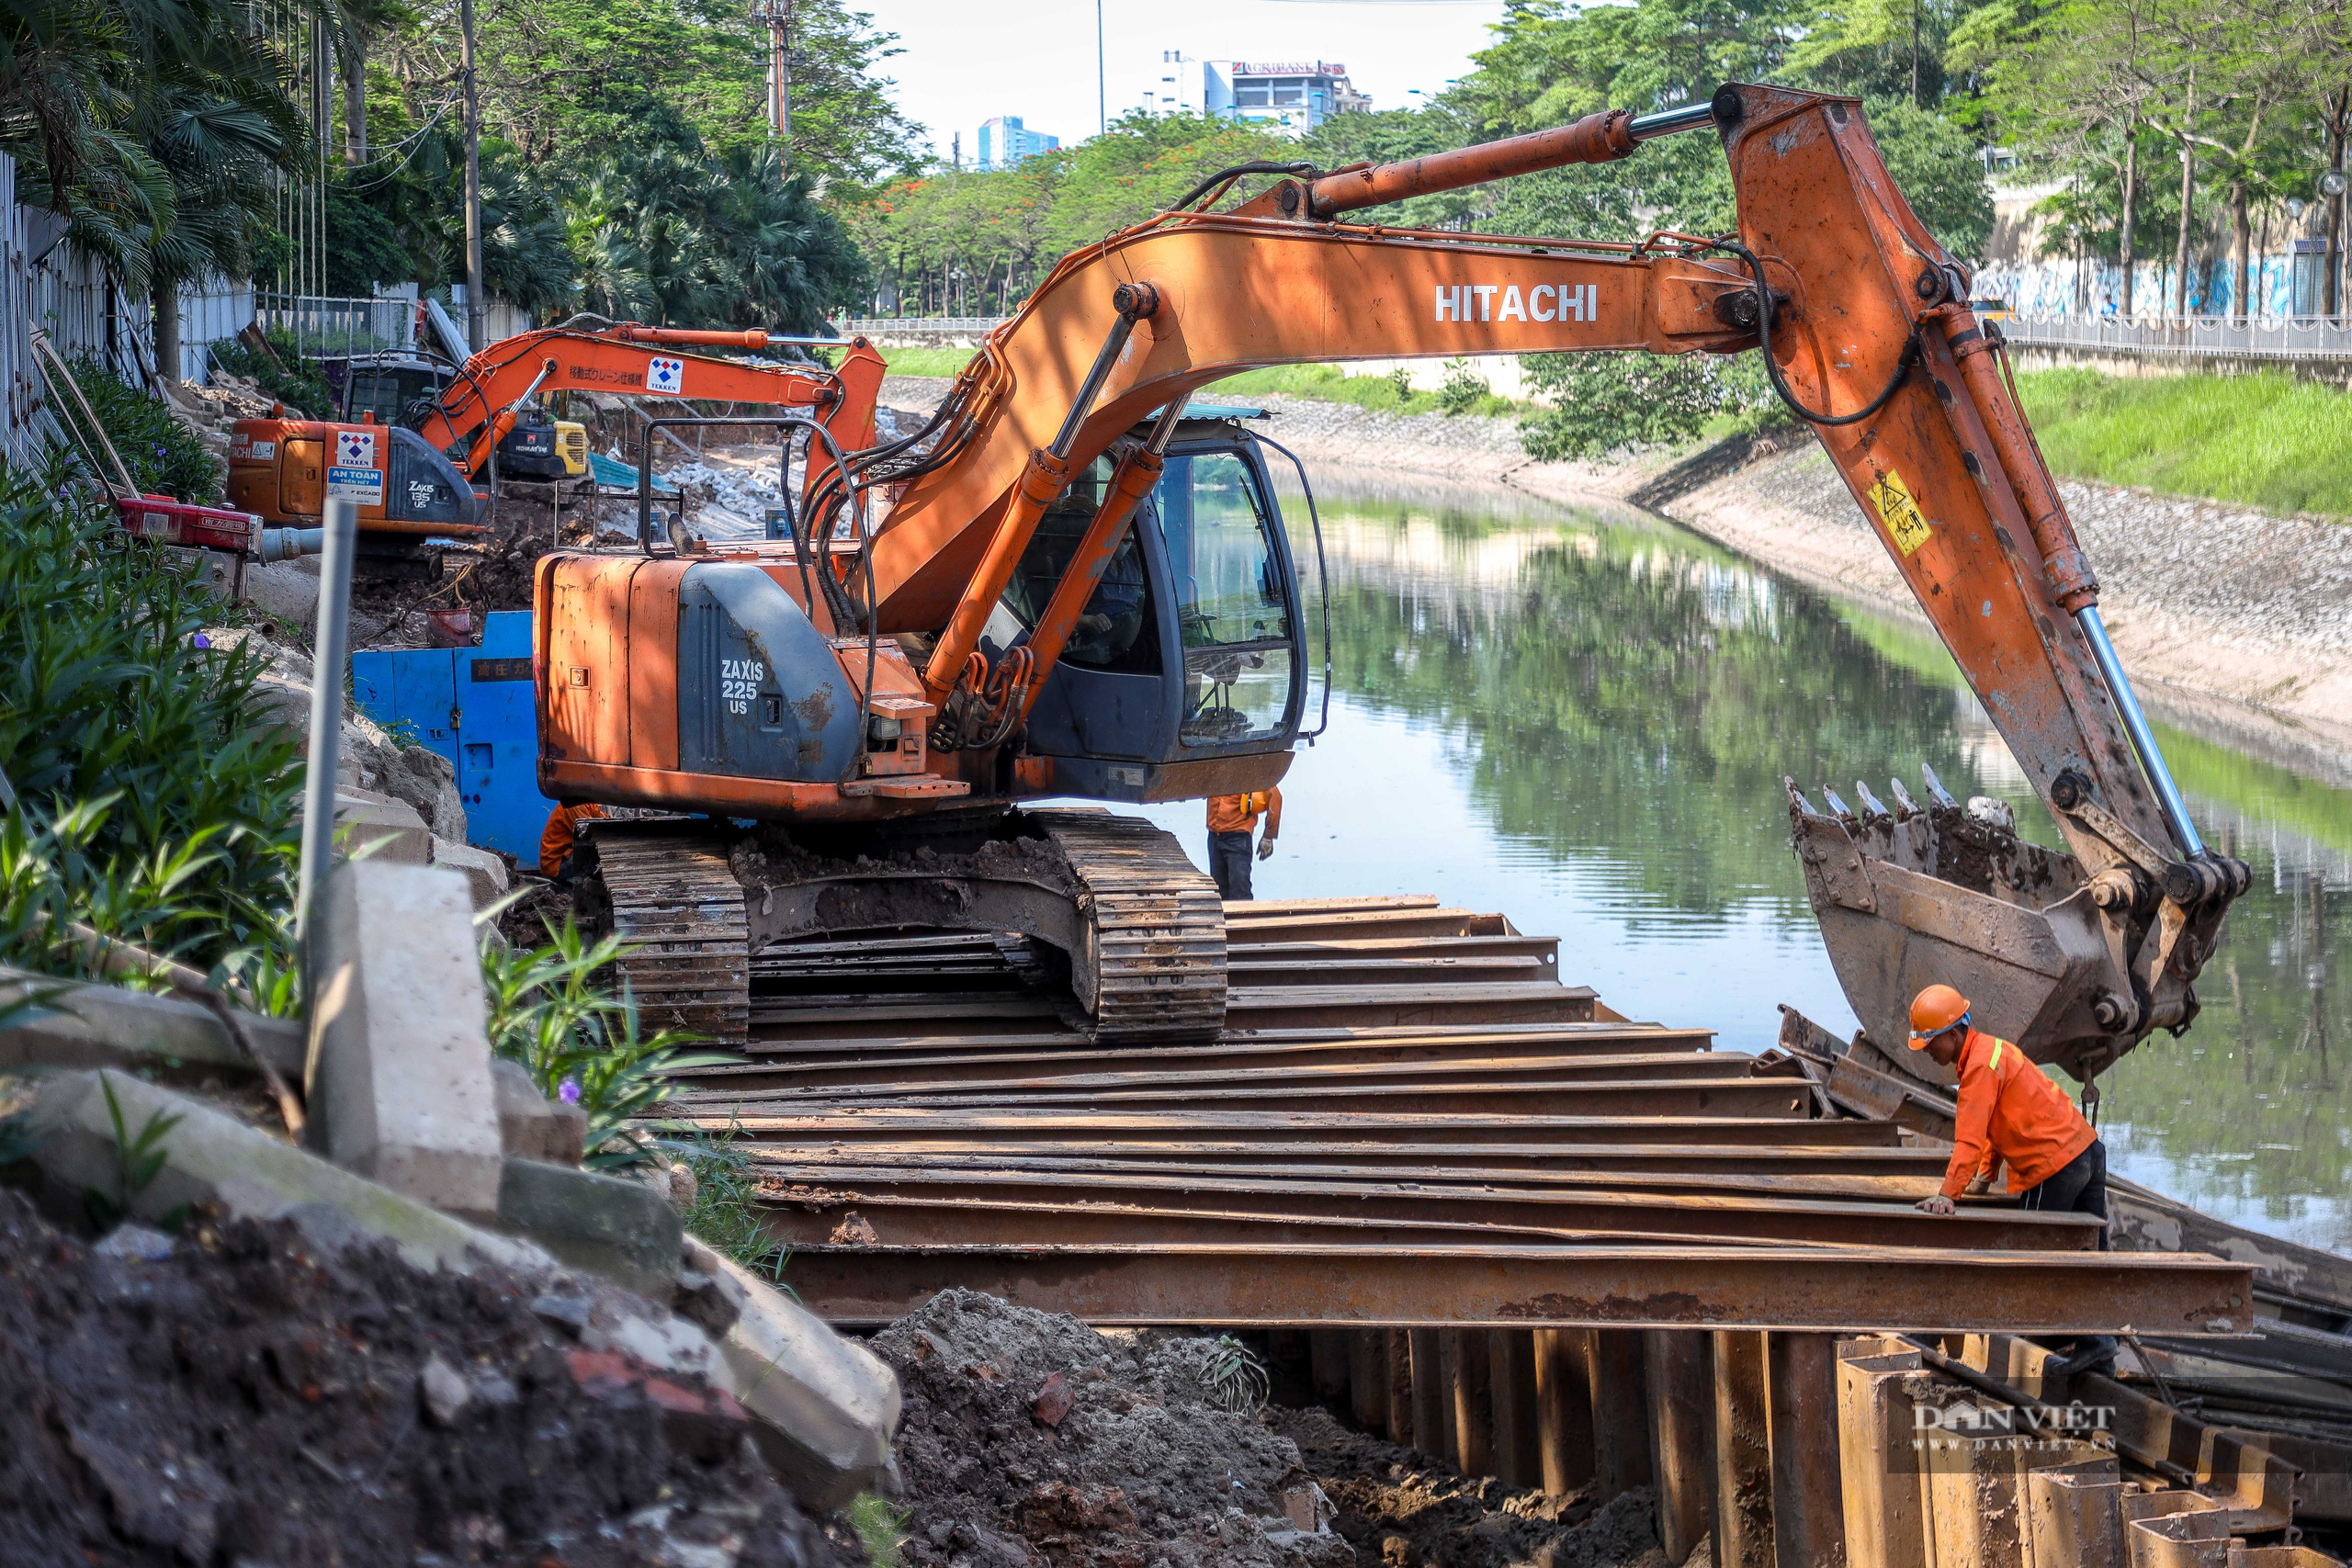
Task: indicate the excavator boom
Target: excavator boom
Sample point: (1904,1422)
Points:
(639,361)
(1863,322)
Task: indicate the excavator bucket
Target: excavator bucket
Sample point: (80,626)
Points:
(1912,895)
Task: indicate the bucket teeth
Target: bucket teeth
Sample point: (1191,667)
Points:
(1837,804)
(1872,809)
(1937,794)
(1905,807)
(1797,802)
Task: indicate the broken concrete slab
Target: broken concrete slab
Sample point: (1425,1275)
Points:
(530,1126)
(485,873)
(823,1408)
(422,777)
(285,595)
(92,1025)
(398,1082)
(387,831)
(369,756)
(615,1228)
(211,1156)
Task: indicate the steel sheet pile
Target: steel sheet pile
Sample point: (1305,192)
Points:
(1408,1120)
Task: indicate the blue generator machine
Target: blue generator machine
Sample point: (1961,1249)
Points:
(472,706)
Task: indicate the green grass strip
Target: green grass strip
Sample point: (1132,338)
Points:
(2268,440)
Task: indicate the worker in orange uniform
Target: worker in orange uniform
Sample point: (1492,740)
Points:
(1231,818)
(561,832)
(2009,1110)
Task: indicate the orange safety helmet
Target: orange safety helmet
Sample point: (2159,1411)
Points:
(1934,1010)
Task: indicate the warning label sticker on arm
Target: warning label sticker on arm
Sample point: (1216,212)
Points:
(1899,512)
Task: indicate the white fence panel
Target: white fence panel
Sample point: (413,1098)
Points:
(19,437)
(325,325)
(2281,337)
(212,312)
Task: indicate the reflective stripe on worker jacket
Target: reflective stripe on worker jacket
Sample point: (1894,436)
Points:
(2009,1110)
(1239,813)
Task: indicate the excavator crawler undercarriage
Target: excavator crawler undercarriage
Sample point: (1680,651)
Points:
(1105,911)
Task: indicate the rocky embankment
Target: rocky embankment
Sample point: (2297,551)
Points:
(2234,623)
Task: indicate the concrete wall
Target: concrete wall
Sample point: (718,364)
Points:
(2015,268)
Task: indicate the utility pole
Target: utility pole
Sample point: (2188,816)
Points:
(1101,83)
(777,15)
(477,305)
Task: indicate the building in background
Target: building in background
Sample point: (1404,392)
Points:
(1292,96)
(1182,84)
(1005,142)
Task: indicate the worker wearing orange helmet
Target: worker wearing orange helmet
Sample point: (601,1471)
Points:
(2009,1110)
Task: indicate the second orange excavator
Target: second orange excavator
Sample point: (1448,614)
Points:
(1073,582)
(412,480)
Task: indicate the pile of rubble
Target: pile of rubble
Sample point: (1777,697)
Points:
(1401,1508)
(1026,1436)
(293,1391)
(403,1314)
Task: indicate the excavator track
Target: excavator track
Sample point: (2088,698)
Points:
(1149,965)
(1153,926)
(680,908)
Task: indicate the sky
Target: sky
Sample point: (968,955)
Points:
(965,63)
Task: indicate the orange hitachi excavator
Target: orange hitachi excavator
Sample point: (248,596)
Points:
(414,480)
(1074,582)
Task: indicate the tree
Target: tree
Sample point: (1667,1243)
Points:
(158,127)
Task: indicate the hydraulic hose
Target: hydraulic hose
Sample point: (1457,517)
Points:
(1910,356)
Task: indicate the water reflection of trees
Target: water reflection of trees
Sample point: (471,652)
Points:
(1635,700)
(1629,696)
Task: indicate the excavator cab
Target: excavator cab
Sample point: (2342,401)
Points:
(1185,673)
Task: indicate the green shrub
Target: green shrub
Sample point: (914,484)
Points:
(1625,401)
(289,378)
(725,1211)
(153,804)
(163,456)
(580,1043)
(1462,388)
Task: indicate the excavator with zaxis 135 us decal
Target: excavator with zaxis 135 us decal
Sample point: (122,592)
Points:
(1075,581)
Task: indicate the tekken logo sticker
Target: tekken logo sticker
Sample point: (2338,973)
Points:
(1544,302)
(355,448)
(665,375)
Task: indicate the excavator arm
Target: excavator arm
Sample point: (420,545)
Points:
(479,407)
(1863,322)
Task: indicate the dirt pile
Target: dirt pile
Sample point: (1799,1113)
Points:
(1402,1509)
(1027,1437)
(252,1397)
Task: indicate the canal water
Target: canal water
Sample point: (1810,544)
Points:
(1582,719)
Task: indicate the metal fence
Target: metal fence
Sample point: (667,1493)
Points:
(20,410)
(923,329)
(870,324)
(2277,337)
(322,324)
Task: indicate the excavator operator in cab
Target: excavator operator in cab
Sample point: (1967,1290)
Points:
(1231,818)
(2010,1111)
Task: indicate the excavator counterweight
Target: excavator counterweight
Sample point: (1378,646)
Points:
(1065,585)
